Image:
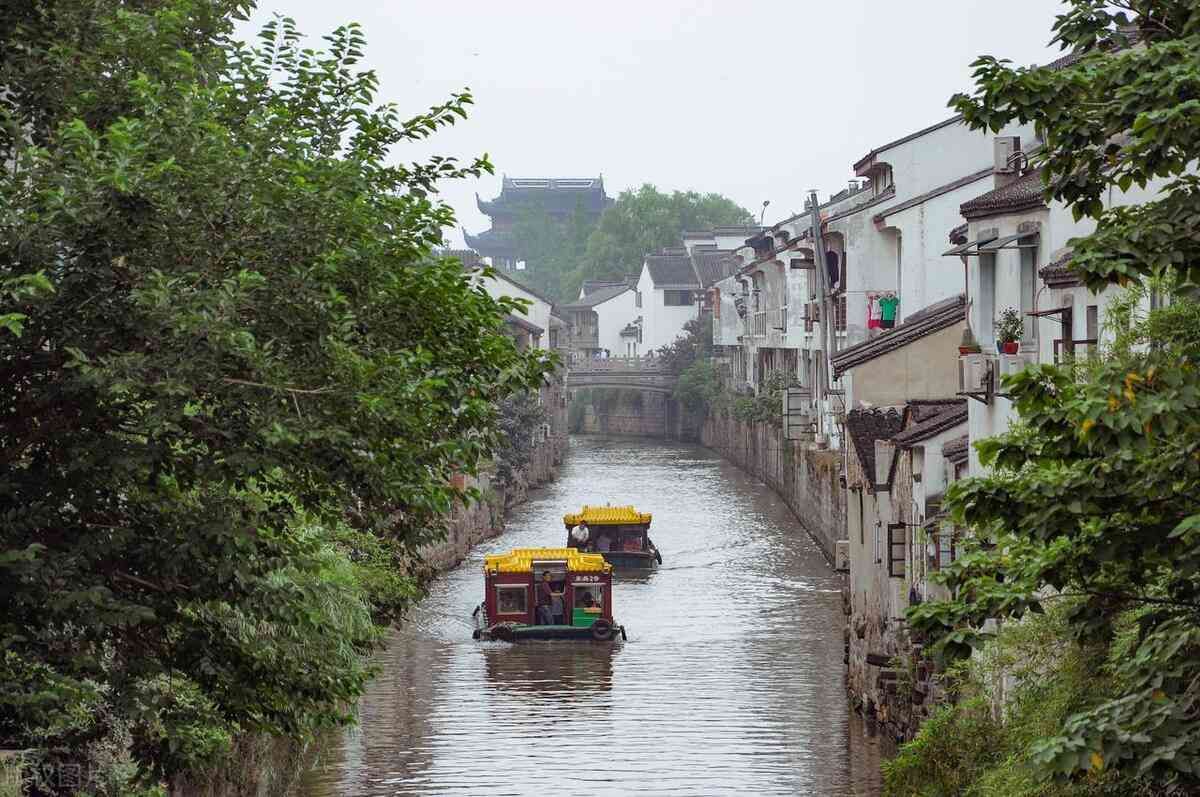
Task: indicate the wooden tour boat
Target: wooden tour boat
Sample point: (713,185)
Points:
(581,586)
(618,533)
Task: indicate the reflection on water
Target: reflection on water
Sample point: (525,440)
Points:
(731,681)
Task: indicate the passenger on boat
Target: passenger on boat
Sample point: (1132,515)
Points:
(545,601)
(556,608)
(588,601)
(581,535)
(603,542)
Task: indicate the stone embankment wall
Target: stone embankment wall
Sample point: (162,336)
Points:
(806,478)
(889,680)
(471,525)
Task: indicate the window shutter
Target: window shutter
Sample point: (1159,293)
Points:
(897,549)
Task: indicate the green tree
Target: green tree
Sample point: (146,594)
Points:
(234,384)
(643,221)
(1124,113)
(551,247)
(1094,496)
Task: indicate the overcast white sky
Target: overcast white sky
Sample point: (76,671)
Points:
(755,99)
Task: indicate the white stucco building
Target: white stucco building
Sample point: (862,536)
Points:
(668,292)
(599,317)
(1015,249)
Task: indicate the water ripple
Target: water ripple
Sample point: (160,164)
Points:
(731,681)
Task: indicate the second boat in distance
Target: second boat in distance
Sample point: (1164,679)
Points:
(618,533)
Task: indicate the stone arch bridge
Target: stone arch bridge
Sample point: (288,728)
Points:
(632,373)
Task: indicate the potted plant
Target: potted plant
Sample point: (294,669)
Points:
(968,344)
(1009,328)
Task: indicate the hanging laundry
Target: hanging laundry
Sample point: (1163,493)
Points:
(872,313)
(887,310)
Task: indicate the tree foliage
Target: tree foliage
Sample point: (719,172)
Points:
(233,382)
(1124,113)
(643,221)
(1094,496)
(550,247)
(559,255)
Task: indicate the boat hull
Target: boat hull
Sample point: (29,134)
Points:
(518,632)
(531,633)
(631,559)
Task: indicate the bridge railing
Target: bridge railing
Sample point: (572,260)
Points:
(646,365)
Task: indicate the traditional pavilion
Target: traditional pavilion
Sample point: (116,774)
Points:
(560,198)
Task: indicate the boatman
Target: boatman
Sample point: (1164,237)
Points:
(580,536)
(545,601)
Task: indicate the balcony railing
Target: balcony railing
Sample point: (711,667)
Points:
(765,323)
(760,324)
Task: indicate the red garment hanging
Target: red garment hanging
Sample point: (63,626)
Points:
(873,321)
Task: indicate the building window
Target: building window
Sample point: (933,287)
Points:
(945,545)
(512,599)
(1028,281)
(881,180)
(1091,330)
(677,298)
(637,298)
(897,549)
(588,595)
(986,299)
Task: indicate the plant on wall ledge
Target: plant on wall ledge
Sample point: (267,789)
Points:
(1009,328)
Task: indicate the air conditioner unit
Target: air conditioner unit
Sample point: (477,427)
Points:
(1004,148)
(975,373)
(1015,363)
(841,556)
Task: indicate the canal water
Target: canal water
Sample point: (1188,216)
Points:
(730,682)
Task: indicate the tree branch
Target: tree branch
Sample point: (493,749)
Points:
(283,388)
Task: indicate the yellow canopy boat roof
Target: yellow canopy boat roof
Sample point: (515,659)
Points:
(607,516)
(520,560)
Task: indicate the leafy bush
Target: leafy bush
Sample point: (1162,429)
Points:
(1096,492)
(699,386)
(234,381)
(1019,690)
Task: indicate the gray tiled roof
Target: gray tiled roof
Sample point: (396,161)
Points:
(956,450)
(865,427)
(490,242)
(1057,274)
(672,268)
(1021,194)
(591,286)
(935,317)
(713,265)
(556,195)
(931,418)
(597,297)
(521,323)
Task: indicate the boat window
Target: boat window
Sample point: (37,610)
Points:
(589,595)
(512,599)
(631,540)
(557,571)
